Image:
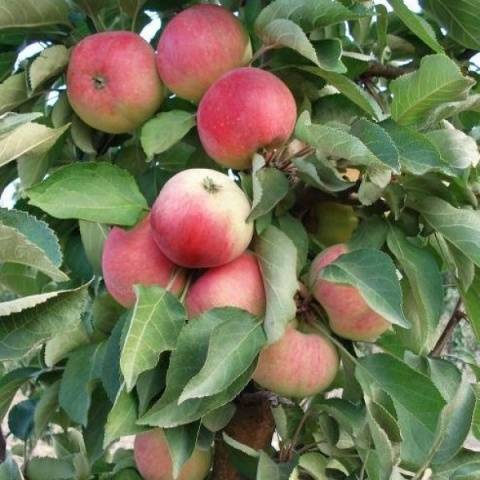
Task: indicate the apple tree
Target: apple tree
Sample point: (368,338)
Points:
(239,239)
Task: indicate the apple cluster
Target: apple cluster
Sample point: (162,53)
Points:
(115,82)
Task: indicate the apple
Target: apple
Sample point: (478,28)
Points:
(245,110)
(154,461)
(349,314)
(299,365)
(198,46)
(199,219)
(132,257)
(112,81)
(331,223)
(235,284)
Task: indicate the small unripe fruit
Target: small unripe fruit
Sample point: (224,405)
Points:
(112,81)
(198,46)
(348,313)
(298,365)
(331,223)
(245,110)
(154,461)
(199,219)
(132,257)
(235,284)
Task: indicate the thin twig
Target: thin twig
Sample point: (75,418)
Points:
(457,315)
(385,71)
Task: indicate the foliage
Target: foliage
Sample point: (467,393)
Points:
(388,123)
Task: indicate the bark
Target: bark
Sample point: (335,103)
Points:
(252,425)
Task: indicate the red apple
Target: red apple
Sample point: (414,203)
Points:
(245,110)
(349,314)
(199,219)
(112,81)
(154,461)
(132,257)
(298,365)
(198,46)
(235,284)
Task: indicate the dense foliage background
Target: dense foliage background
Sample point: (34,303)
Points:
(389,116)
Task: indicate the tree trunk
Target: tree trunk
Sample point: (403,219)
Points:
(252,425)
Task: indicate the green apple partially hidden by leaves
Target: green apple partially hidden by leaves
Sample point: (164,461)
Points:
(198,46)
(330,223)
(348,313)
(298,365)
(132,257)
(235,284)
(154,461)
(112,81)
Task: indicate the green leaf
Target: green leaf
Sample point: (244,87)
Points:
(459,226)
(438,80)
(219,418)
(181,444)
(28,141)
(417,401)
(13,91)
(33,320)
(309,14)
(45,409)
(373,273)
(315,464)
(11,382)
(58,347)
(11,120)
(378,141)
(9,470)
(82,370)
(20,419)
(50,63)
(418,25)
(295,230)
(471,300)
(277,257)
(43,468)
(270,186)
(418,154)
(348,88)
(337,143)
(285,33)
(186,361)
(96,192)
(165,130)
(315,170)
(458,149)
(82,136)
(16,248)
(156,322)
(122,418)
(131,7)
(458,18)
(425,278)
(454,425)
(36,231)
(33,13)
(268,469)
(383,455)
(93,237)
(234,345)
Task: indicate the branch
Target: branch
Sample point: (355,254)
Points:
(386,71)
(457,315)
